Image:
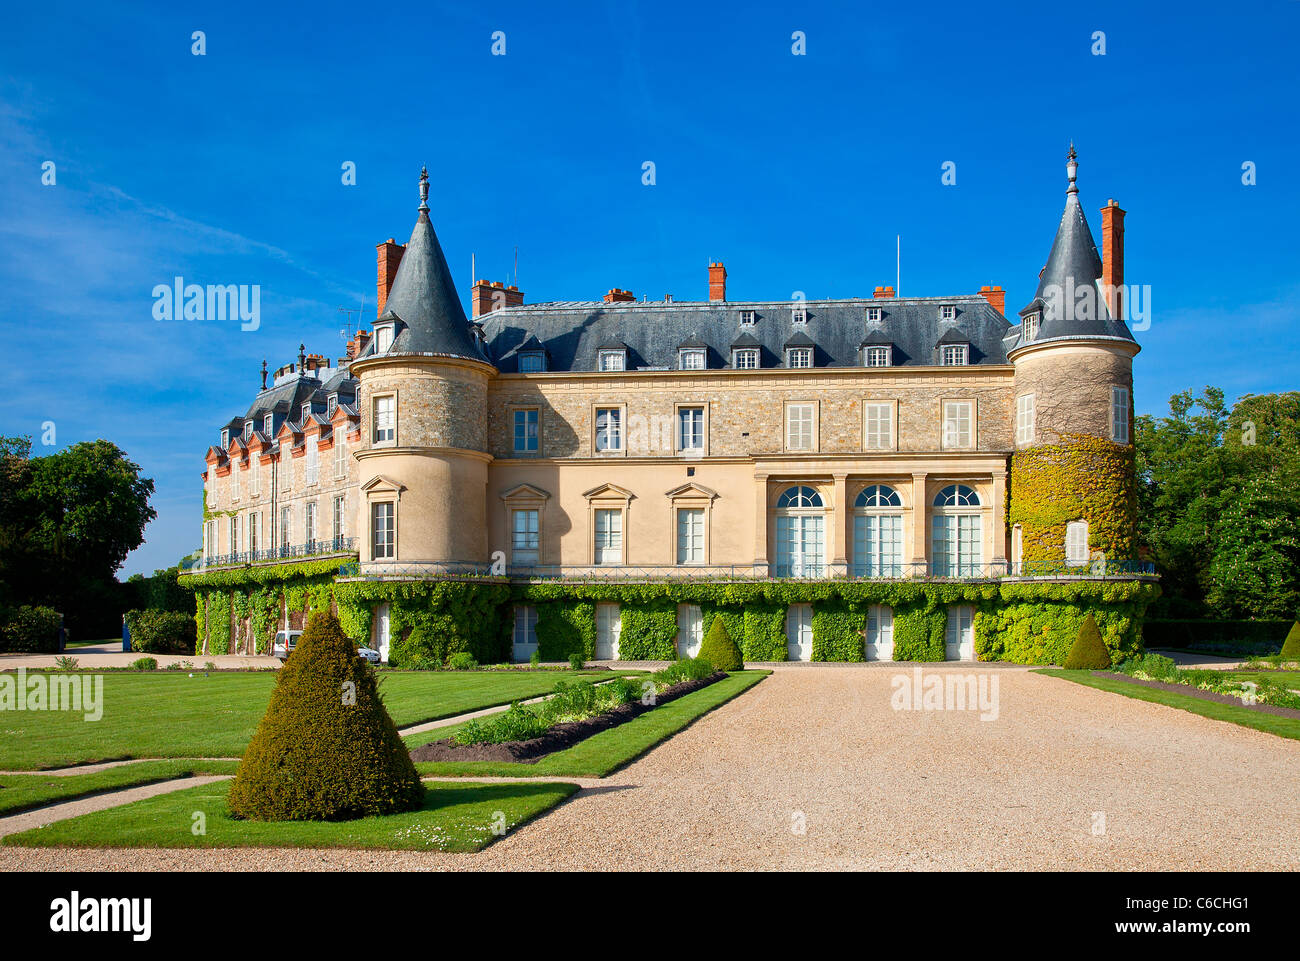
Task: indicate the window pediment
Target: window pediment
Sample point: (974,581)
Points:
(609,492)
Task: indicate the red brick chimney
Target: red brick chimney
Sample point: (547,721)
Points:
(717,281)
(358,343)
(883,292)
(494,295)
(1112,257)
(616,296)
(995,296)
(390,255)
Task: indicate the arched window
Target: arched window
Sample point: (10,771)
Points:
(1076,543)
(955,533)
(878,533)
(800,534)
(957,495)
(799,497)
(878,495)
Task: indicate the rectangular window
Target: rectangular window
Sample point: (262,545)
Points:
(745,359)
(799,427)
(1029,327)
(286,531)
(313,461)
(266,425)
(210,539)
(690,428)
(800,545)
(957,424)
(799,314)
(331,405)
(873,315)
(612,360)
(609,435)
(1119,415)
(254,476)
(609,537)
(385,410)
(526,431)
(878,545)
(1076,543)
(692,359)
(747,318)
(525,536)
(690,536)
(1025,419)
(879,426)
(799,357)
(958,549)
(309,525)
(234,536)
(340,452)
(340,522)
(531,363)
(954,355)
(383,531)
(306,414)
(878,356)
(254,532)
(947,312)
(248,429)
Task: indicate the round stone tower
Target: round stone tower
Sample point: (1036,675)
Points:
(1073,490)
(423,395)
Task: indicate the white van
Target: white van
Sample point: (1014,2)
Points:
(284,643)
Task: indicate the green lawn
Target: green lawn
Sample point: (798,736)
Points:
(1289,679)
(455,817)
(609,750)
(1259,720)
(20,792)
(171,714)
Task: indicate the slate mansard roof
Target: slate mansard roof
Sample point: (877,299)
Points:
(572,333)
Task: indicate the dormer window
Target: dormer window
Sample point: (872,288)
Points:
(306,413)
(225,437)
(612,360)
(874,315)
(745,358)
(953,355)
(947,312)
(799,357)
(799,314)
(331,405)
(248,429)
(533,362)
(691,358)
(383,337)
(747,318)
(878,356)
(266,424)
(1029,327)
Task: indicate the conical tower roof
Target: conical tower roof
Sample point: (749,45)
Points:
(424,299)
(1073,265)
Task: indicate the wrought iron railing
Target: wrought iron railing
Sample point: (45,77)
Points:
(927,570)
(327,547)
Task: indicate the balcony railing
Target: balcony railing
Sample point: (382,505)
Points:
(927,571)
(289,552)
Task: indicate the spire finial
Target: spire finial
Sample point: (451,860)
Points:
(263,374)
(424,190)
(1072,170)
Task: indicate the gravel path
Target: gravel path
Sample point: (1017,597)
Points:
(821,749)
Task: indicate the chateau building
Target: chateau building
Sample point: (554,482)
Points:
(876,439)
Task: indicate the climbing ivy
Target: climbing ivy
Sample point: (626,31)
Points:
(1081,478)
(565,628)
(838,631)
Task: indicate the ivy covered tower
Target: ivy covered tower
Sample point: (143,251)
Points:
(1073,489)
(423,402)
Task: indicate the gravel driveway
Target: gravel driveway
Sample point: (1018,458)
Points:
(821,749)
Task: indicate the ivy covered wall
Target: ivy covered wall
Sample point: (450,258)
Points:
(1081,478)
(1025,622)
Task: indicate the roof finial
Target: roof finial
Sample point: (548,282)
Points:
(424,190)
(264,374)
(302,358)
(1071,170)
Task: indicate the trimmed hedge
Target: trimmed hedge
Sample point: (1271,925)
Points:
(1088,652)
(29,630)
(719,649)
(326,750)
(1291,646)
(1187,632)
(161,632)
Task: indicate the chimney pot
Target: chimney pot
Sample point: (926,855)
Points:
(997,298)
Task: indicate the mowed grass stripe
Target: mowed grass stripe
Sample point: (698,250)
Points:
(172,714)
(22,792)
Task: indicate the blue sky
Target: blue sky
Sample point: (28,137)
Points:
(797,171)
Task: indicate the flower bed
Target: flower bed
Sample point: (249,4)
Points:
(1157,669)
(572,714)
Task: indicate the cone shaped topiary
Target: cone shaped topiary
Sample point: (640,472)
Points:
(1291,646)
(720,650)
(326,749)
(1089,652)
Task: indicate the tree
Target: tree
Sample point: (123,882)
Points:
(719,649)
(326,749)
(1088,653)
